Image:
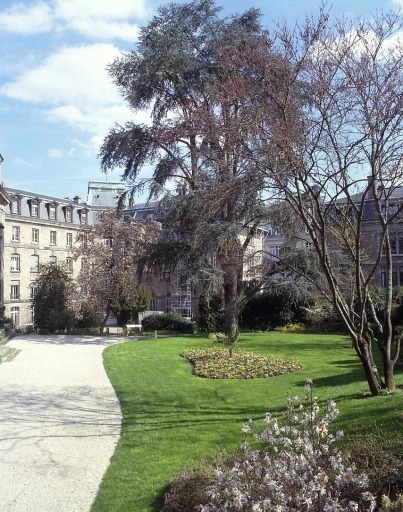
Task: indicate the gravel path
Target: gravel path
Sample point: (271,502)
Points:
(59,423)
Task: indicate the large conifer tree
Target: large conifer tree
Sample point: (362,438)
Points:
(187,71)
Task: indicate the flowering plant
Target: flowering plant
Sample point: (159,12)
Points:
(214,363)
(297,468)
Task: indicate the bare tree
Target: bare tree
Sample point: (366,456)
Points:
(336,159)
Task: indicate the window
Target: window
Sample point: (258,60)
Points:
(34,209)
(69,239)
(393,244)
(84,263)
(52,240)
(15,290)
(274,251)
(15,263)
(15,316)
(69,264)
(108,242)
(396,244)
(52,212)
(35,235)
(69,215)
(33,290)
(84,239)
(15,205)
(397,276)
(34,263)
(83,216)
(15,234)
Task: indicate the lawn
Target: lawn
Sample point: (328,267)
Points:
(173,420)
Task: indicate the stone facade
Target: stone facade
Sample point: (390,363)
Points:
(4,202)
(38,229)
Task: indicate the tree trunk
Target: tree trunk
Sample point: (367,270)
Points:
(231,302)
(388,366)
(371,373)
(104,321)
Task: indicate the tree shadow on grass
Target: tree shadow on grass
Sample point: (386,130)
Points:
(336,381)
(67,339)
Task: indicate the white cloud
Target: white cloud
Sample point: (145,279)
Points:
(105,30)
(25,20)
(100,9)
(72,87)
(71,75)
(55,153)
(96,19)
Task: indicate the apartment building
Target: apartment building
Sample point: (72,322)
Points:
(41,229)
(4,202)
(38,229)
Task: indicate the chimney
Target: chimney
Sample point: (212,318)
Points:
(76,199)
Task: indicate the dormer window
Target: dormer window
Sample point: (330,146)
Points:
(83,217)
(15,205)
(69,214)
(34,206)
(52,211)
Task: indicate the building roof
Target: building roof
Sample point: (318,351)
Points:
(104,194)
(25,193)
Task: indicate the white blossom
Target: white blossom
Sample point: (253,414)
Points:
(297,467)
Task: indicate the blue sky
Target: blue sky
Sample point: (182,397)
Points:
(56,99)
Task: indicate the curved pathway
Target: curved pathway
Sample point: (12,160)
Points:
(59,423)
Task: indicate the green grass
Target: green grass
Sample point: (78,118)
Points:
(173,420)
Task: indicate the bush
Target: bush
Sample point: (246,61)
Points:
(321,317)
(296,328)
(296,469)
(188,491)
(60,320)
(389,505)
(268,310)
(167,322)
(89,315)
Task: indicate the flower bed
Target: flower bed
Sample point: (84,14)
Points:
(216,363)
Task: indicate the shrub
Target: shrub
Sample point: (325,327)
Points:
(188,491)
(389,505)
(269,310)
(297,468)
(297,328)
(321,317)
(167,322)
(88,315)
(62,319)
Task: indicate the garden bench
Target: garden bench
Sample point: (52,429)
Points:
(133,327)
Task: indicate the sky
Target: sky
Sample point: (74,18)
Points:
(57,101)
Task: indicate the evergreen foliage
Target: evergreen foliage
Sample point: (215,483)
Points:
(167,322)
(189,69)
(269,309)
(53,301)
